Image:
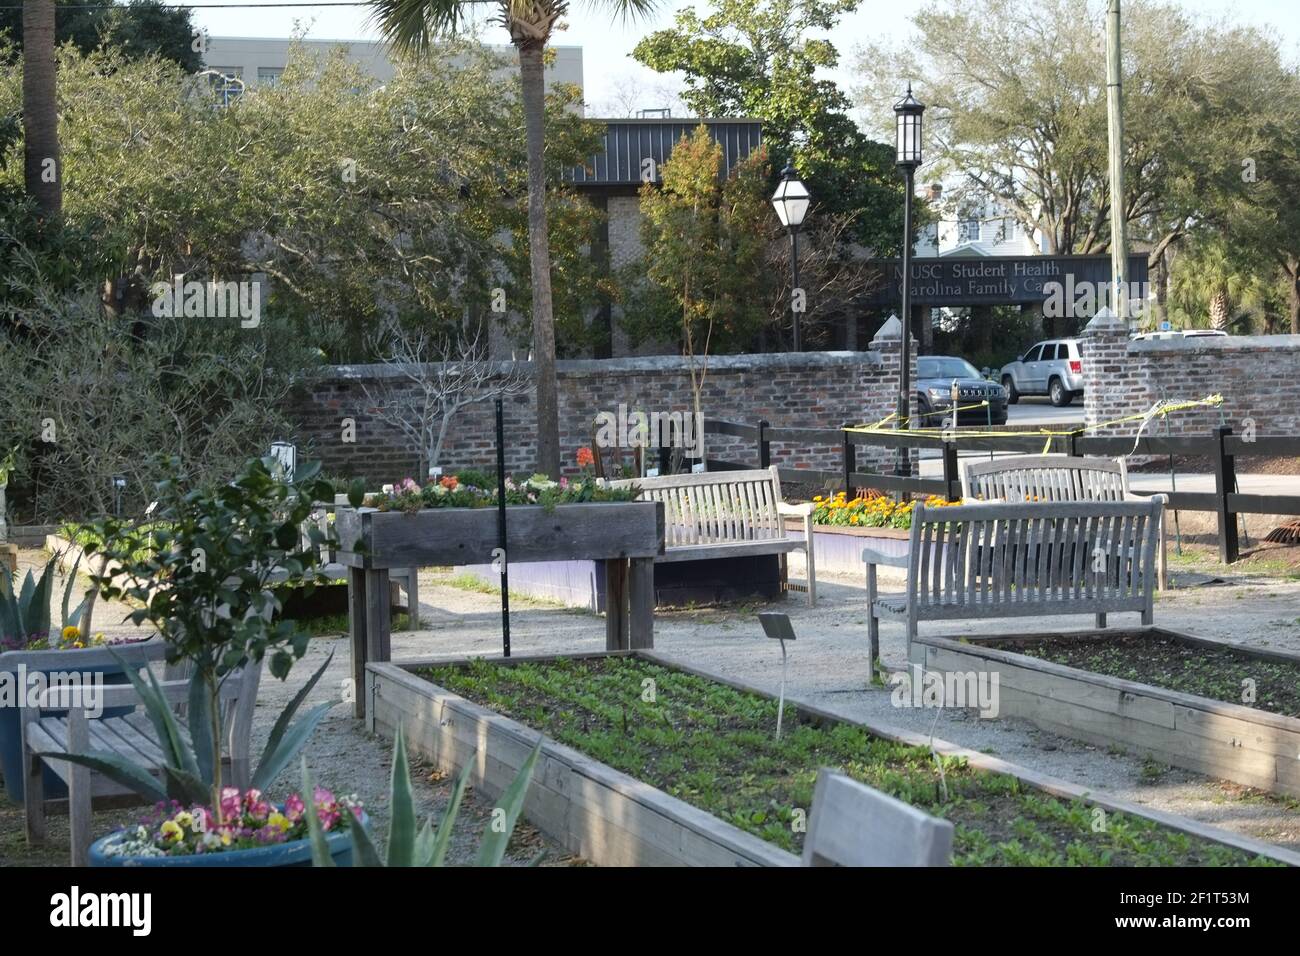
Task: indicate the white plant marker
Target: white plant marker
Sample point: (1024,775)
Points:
(777,626)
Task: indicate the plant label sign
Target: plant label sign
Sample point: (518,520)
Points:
(285,455)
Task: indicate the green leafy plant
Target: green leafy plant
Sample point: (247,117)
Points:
(205,571)
(427,846)
(25,620)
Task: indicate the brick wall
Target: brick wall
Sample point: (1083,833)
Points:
(1258,377)
(813,389)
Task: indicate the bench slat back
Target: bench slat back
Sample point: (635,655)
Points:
(1046,478)
(991,557)
(715,507)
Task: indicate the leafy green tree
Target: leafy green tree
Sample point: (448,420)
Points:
(1017,111)
(334,197)
(414,25)
(705,243)
(754,58)
(138,28)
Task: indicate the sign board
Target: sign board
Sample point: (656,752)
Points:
(286,458)
(996,280)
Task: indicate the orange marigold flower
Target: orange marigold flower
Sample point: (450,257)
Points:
(585,457)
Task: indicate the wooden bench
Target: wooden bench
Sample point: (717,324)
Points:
(852,824)
(1055,478)
(131,736)
(1022,560)
(726,514)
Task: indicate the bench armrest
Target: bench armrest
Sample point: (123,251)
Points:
(872,556)
(798,511)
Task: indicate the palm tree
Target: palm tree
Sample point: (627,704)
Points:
(42,169)
(1212,276)
(413,26)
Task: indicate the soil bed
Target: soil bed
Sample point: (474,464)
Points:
(713,747)
(1163,661)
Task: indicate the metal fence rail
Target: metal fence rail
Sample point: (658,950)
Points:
(1220,446)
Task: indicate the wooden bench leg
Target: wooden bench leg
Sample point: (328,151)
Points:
(810,561)
(357,622)
(873,622)
(33,787)
(1101,620)
(79,804)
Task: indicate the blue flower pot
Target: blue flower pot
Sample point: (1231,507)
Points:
(91,660)
(295,853)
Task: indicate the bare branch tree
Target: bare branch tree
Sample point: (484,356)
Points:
(437,376)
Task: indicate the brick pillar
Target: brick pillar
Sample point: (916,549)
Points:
(1113,384)
(886,344)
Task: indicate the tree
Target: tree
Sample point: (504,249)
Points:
(139,28)
(435,377)
(414,25)
(42,170)
(1016,97)
(334,199)
(754,58)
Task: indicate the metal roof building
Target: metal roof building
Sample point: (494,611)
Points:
(622,164)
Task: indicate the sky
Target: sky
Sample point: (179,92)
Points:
(614,82)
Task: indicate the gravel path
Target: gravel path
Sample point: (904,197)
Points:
(828,666)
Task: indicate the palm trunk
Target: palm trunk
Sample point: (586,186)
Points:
(42,169)
(548,411)
(1292,271)
(1219,311)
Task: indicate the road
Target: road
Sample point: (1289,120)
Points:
(1040,411)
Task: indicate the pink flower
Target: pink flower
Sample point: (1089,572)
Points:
(294,808)
(229,802)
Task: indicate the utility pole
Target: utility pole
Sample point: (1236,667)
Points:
(1115,117)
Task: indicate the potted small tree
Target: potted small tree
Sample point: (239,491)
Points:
(204,571)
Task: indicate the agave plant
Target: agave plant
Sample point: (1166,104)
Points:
(427,846)
(190,772)
(25,612)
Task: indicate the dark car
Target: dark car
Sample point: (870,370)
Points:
(934,377)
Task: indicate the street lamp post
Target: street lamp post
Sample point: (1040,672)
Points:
(791,201)
(907,112)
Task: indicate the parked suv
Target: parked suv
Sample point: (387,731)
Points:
(934,378)
(1053,368)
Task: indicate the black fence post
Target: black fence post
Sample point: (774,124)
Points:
(665,460)
(951,479)
(764,446)
(1225,480)
(850,460)
(1072,445)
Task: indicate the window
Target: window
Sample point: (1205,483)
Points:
(229,86)
(268,75)
(1050,352)
(968,230)
(1033,354)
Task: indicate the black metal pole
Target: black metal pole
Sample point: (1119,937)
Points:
(501,529)
(904,341)
(794,286)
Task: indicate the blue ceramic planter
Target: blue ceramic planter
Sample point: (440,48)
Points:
(296,853)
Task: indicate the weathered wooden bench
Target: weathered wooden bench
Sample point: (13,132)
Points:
(131,736)
(1055,478)
(726,514)
(1022,560)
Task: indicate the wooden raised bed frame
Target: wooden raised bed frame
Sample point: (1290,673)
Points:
(1228,741)
(612,819)
(626,535)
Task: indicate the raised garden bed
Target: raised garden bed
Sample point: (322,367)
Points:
(685,770)
(1170,695)
(838,549)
